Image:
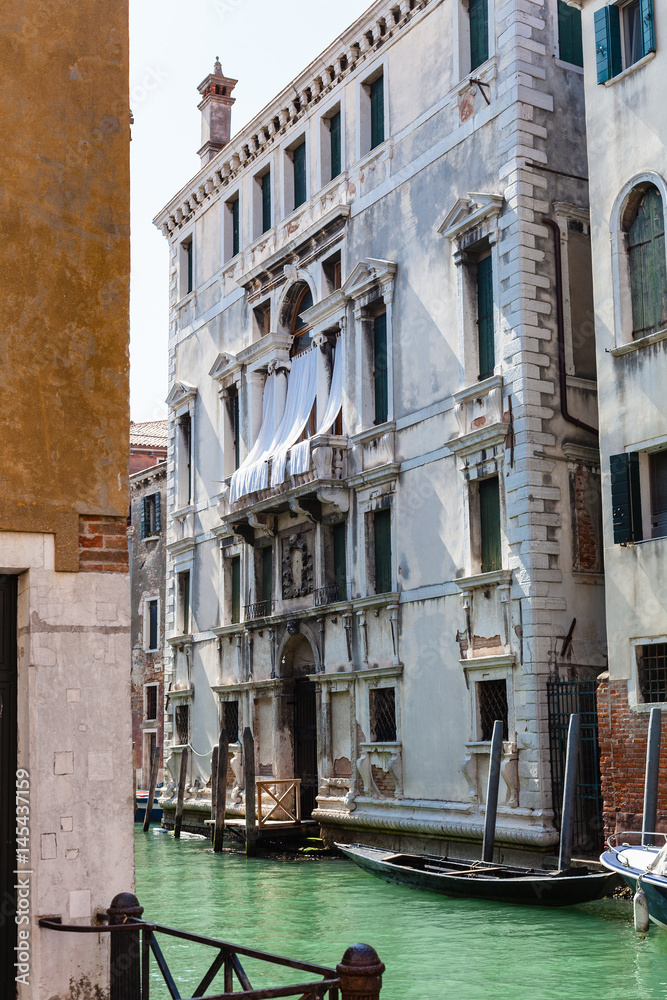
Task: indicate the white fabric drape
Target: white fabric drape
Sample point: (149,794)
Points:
(301,393)
(300,453)
(254,470)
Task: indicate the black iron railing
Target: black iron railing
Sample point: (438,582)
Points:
(260,609)
(328,595)
(134,941)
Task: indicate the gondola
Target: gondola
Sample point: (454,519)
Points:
(482,880)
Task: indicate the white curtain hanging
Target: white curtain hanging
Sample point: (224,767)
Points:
(249,475)
(301,393)
(300,453)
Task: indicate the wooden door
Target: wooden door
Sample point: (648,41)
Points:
(305,743)
(8,778)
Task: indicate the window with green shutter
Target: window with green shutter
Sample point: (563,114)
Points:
(626,507)
(485,331)
(648,267)
(335,134)
(380,381)
(657,464)
(183,581)
(189,266)
(489,524)
(607,25)
(236,227)
(267,577)
(299,162)
(478,11)
(624,34)
(382,550)
(570,48)
(377,112)
(339,560)
(235,580)
(265,182)
(152,627)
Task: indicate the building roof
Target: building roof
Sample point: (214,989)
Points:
(151,434)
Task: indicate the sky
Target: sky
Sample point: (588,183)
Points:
(173,45)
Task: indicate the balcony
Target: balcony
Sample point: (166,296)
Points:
(260,609)
(330,594)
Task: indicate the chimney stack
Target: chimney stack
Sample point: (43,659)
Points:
(216,112)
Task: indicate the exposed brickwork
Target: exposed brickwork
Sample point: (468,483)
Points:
(585,498)
(384,781)
(103,544)
(622,735)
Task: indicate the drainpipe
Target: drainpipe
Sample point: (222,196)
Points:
(560,323)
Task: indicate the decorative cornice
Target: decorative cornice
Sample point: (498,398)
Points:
(181,394)
(468,212)
(499,578)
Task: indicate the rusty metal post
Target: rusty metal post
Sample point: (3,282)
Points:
(360,973)
(125,962)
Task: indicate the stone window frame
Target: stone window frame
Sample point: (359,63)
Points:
(564,213)
(182,402)
(336,103)
(227,231)
(150,599)
(187,237)
(490,668)
(146,717)
(461,37)
(363,107)
(227,553)
(480,466)
(634,697)
(286,174)
(620,261)
(267,165)
(367,511)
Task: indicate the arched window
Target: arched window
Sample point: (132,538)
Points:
(644,223)
(302,332)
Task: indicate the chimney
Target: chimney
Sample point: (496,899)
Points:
(216,112)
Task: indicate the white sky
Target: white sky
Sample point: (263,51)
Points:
(263,43)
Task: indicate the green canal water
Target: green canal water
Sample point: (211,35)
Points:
(434,948)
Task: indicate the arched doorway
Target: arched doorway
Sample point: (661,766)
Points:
(297,662)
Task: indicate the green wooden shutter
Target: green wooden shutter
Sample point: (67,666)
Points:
(339,560)
(382,550)
(158,514)
(300,186)
(570,47)
(377,112)
(485,332)
(236,227)
(626,498)
(489,524)
(266,201)
(648,266)
(185,601)
(237,432)
(152,628)
(236,589)
(336,162)
(190,264)
(267,575)
(479,32)
(648,30)
(380,381)
(607,24)
(658,478)
(143,517)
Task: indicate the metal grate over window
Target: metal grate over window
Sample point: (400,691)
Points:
(492,702)
(652,670)
(230,720)
(382,702)
(151,702)
(182,721)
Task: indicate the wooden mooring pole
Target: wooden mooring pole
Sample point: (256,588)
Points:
(220,792)
(651,781)
(152,785)
(360,973)
(249,775)
(178,819)
(492,791)
(569,795)
(214,785)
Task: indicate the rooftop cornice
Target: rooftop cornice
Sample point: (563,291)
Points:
(369,33)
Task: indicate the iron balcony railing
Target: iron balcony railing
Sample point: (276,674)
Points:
(260,609)
(329,595)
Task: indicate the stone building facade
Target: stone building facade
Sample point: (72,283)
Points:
(383,474)
(625,68)
(65,763)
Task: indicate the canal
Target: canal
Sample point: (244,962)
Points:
(434,948)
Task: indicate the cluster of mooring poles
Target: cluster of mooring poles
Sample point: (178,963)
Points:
(650,814)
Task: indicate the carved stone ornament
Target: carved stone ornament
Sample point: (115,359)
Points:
(297,566)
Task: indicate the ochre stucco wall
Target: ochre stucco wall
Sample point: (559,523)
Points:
(64,266)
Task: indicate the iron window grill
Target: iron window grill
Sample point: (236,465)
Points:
(182,723)
(383,715)
(652,671)
(230,720)
(492,702)
(151,702)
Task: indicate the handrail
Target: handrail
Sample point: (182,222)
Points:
(264,785)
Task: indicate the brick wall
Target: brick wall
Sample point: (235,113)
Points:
(103,544)
(622,734)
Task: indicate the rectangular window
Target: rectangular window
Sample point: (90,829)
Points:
(485,332)
(236,430)
(377,112)
(570,48)
(489,524)
(182,725)
(492,706)
(183,587)
(478,11)
(652,671)
(382,550)
(230,720)
(336,147)
(150,515)
(152,624)
(657,464)
(339,560)
(267,578)
(626,498)
(265,183)
(300,185)
(382,705)
(184,460)
(235,580)
(380,381)
(236,227)
(624,34)
(187,264)
(151,701)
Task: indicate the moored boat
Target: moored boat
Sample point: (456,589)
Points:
(483,880)
(141,801)
(641,867)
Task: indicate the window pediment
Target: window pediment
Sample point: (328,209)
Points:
(367,275)
(470,212)
(181,395)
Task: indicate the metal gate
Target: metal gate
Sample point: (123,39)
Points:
(564,698)
(8,738)
(305,743)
